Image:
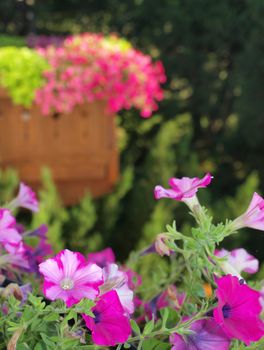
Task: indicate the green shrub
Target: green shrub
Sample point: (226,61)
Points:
(8,40)
(21,73)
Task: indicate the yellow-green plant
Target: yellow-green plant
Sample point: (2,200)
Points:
(21,73)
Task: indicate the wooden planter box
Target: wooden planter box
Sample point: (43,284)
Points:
(79,148)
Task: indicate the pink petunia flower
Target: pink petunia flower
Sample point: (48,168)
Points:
(26,198)
(69,277)
(110,325)
(238,310)
(207,335)
(183,189)
(16,260)
(254,215)
(237,260)
(102,258)
(9,236)
(117,280)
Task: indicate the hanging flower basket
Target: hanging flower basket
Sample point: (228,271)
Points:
(57,109)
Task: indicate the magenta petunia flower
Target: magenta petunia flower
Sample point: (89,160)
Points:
(237,260)
(254,215)
(102,258)
(26,198)
(69,277)
(182,189)
(207,335)
(117,280)
(110,325)
(9,236)
(238,310)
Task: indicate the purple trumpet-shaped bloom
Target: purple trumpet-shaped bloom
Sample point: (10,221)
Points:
(38,232)
(207,335)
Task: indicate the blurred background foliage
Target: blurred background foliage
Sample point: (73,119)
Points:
(210,120)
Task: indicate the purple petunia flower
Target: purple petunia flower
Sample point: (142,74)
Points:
(207,335)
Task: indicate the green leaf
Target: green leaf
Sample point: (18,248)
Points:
(28,314)
(52,317)
(164,315)
(84,307)
(23,347)
(154,344)
(48,342)
(149,327)
(135,327)
(40,346)
(169,317)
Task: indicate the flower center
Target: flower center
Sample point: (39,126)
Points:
(97,316)
(226,311)
(66,284)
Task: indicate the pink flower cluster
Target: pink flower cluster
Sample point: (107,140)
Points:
(70,276)
(90,67)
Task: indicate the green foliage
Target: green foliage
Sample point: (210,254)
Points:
(80,220)
(7,40)
(21,73)
(8,183)
(36,325)
(51,212)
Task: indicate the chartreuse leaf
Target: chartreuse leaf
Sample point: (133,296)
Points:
(24,347)
(154,344)
(164,315)
(84,307)
(170,317)
(50,344)
(40,346)
(135,327)
(148,327)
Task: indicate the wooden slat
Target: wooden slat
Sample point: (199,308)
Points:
(80,147)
